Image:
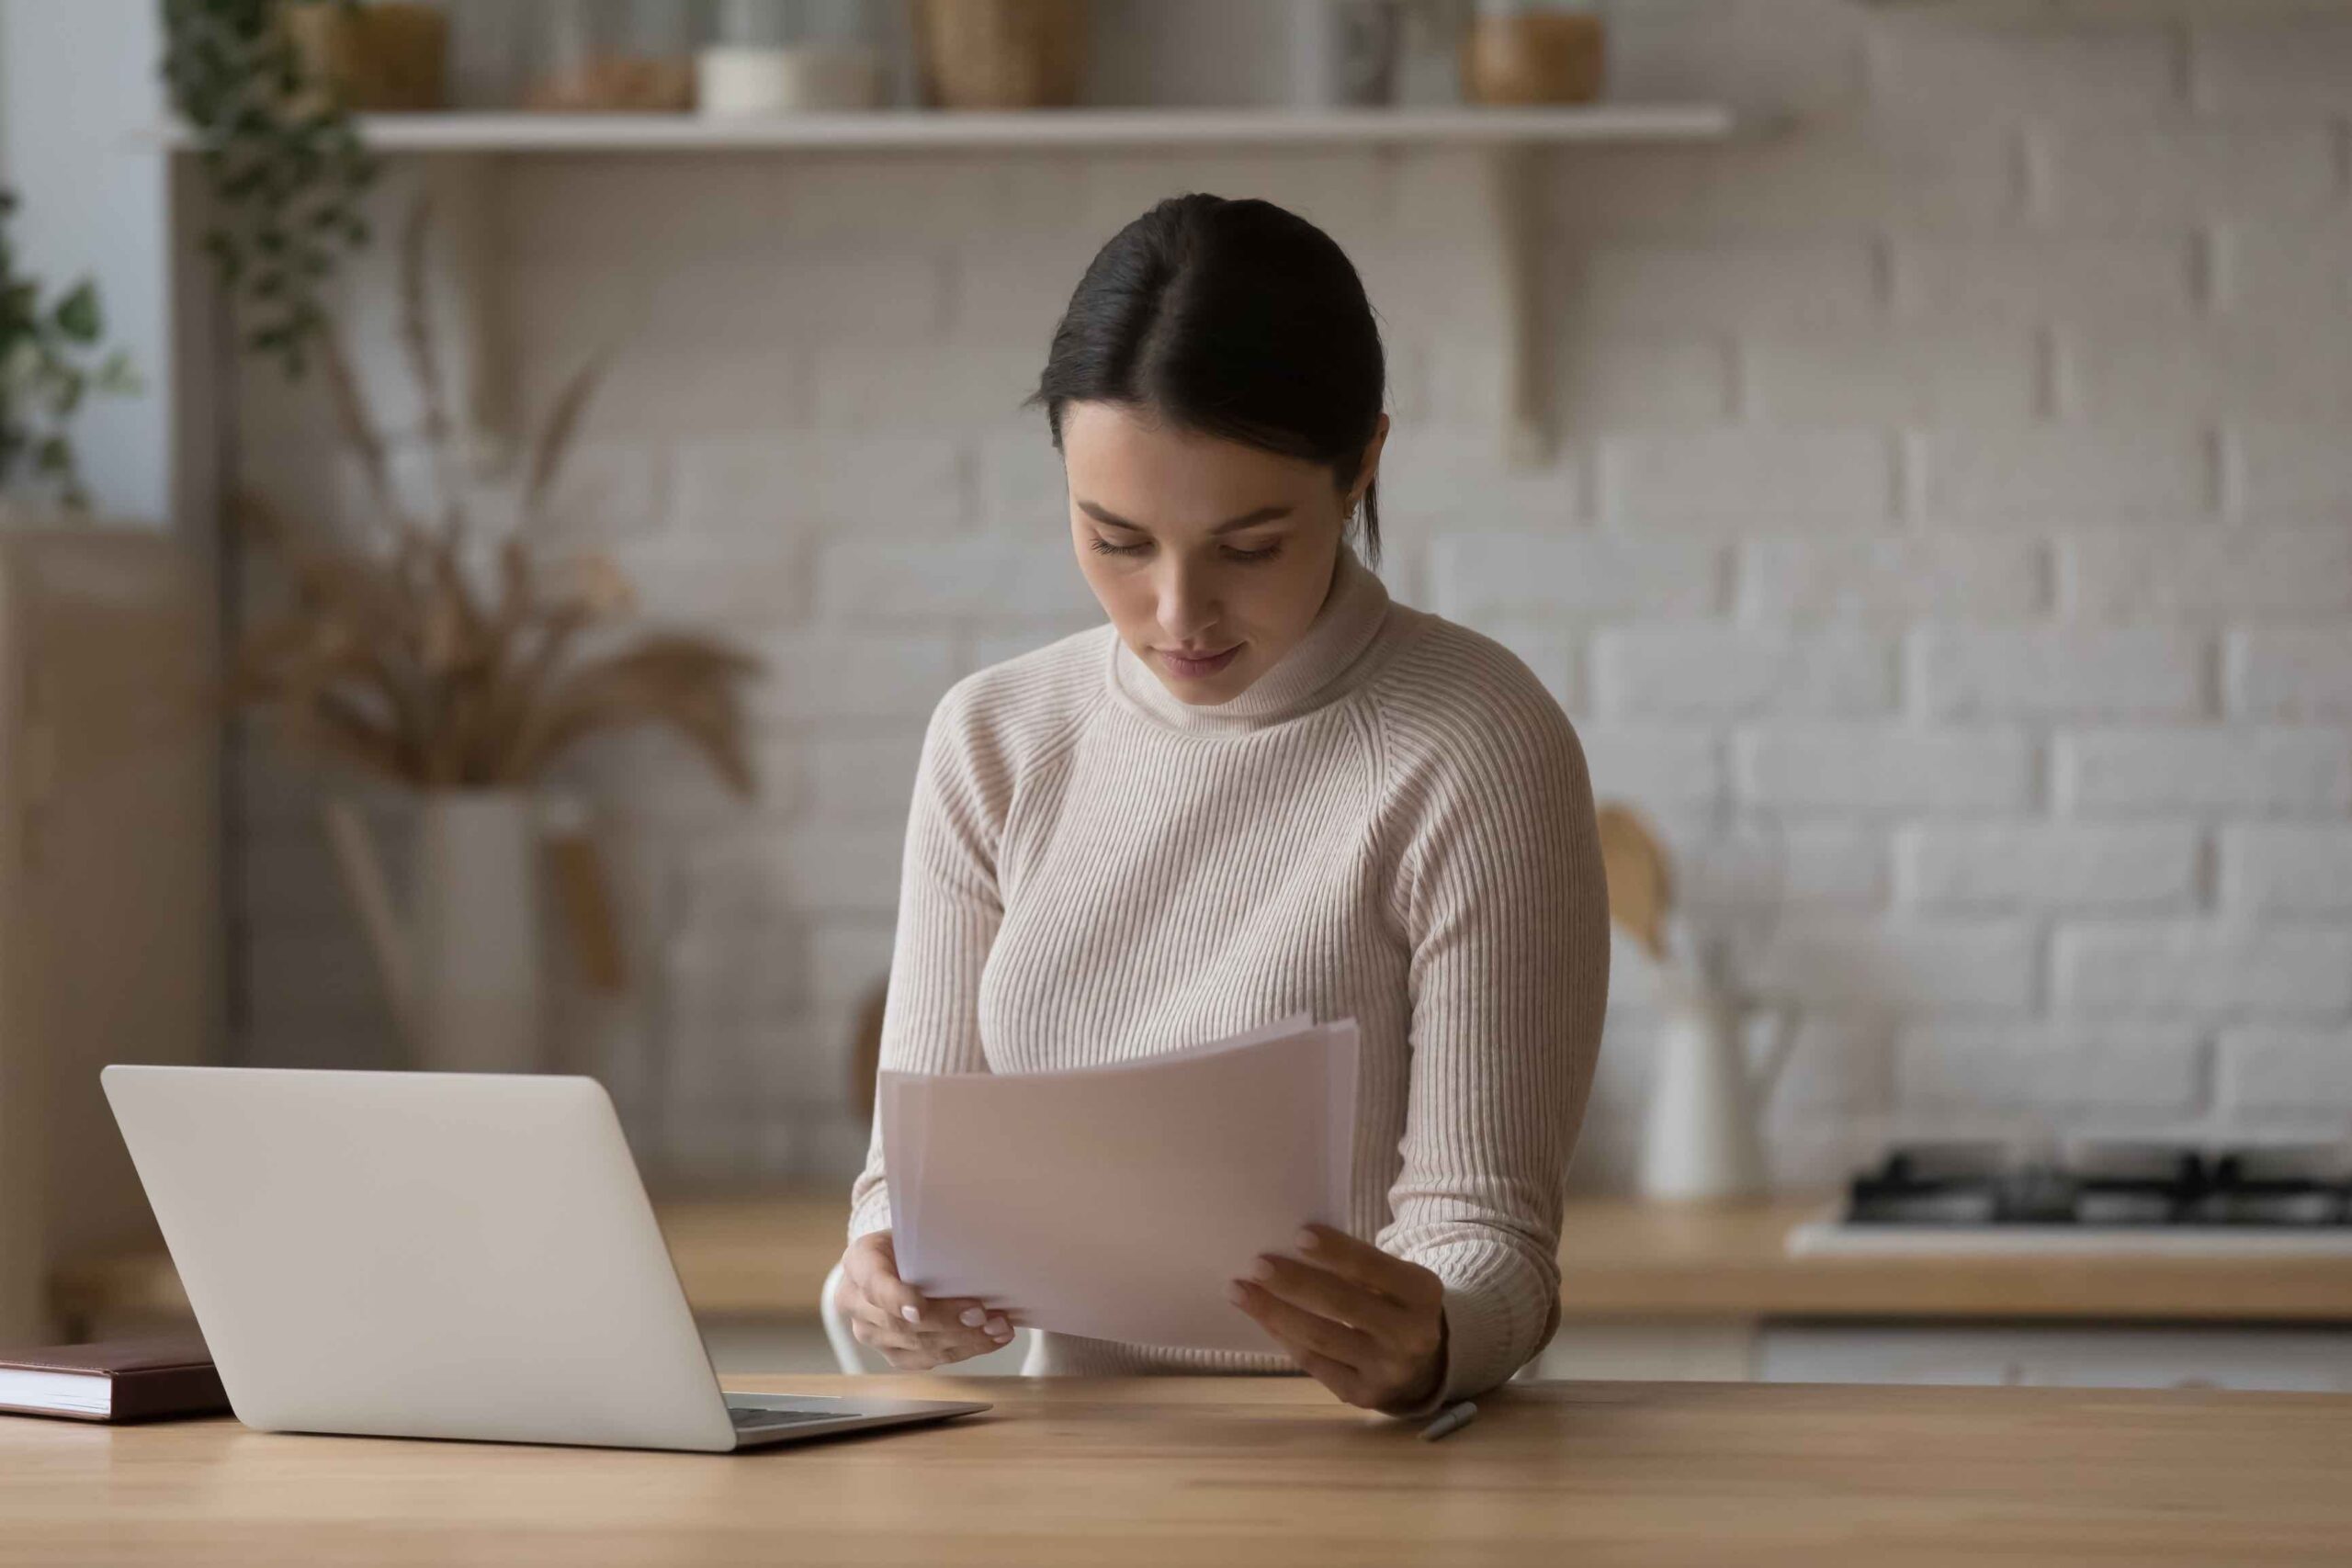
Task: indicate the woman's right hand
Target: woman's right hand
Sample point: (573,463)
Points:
(912,1331)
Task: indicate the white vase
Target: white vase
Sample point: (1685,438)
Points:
(477,924)
(463,968)
(1700,1142)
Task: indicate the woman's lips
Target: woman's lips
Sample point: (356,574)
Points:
(1193,667)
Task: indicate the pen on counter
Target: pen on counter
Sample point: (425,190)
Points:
(1452,1420)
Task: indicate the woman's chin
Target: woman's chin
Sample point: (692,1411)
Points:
(1206,690)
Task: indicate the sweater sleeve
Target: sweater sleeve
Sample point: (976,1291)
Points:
(949,910)
(1507,913)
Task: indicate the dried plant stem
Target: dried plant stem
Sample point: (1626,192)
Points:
(394,659)
(424,365)
(553,442)
(352,422)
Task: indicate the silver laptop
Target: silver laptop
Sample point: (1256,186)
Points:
(438,1254)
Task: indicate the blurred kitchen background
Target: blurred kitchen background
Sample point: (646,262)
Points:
(1913,441)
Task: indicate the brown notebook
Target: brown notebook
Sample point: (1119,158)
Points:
(113,1379)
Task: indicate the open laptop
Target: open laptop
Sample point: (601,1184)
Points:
(438,1254)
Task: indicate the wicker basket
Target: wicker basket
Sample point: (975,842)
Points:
(1001,54)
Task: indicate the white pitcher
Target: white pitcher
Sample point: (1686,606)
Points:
(1700,1140)
(463,968)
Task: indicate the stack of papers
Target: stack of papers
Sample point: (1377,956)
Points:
(1117,1201)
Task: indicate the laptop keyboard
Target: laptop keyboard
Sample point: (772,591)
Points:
(751,1415)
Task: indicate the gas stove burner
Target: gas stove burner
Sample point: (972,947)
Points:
(2326,1164)
(2106,1184)
(2105,1159)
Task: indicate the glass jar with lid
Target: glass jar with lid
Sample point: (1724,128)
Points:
(593,56)
(1533,52)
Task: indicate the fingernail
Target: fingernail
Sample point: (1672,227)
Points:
(973,1317)
(1000,1329)
(911,1315)
(1235,1293)
(1262,1270)
(1306,1241)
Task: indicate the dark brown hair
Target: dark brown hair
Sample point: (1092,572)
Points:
(1230,318)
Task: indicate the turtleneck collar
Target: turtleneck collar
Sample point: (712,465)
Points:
(1319,668)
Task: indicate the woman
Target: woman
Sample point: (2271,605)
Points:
(1263,788)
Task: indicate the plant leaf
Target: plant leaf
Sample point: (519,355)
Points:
(553,443)
(77,314)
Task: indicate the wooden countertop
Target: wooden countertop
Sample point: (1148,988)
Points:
(1620,1261)
(1625,1259)
(1242,1471)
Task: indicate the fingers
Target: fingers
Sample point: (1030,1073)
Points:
(1301,1329)
(1367,1325)
(1352,1386)
(959,1320)
(953,1327)
(910,1329)
(1360,1263)
(1358,1370)
(871,1265)
(1325,1295)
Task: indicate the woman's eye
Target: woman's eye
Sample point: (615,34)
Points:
(1103,547)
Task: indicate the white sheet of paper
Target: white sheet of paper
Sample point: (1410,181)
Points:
(1116,1201)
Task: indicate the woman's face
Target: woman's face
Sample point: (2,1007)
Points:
(1197,546)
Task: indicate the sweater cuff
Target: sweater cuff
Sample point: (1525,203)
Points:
(872,1212)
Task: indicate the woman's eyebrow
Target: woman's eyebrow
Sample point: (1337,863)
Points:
(1263,514)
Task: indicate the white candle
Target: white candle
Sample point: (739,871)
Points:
(752,79)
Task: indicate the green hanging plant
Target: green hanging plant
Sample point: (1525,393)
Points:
(49,360)
(285,164)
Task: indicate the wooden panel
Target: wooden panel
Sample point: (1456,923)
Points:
(1254,1470)
(109,926)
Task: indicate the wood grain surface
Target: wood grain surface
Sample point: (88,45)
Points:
(1244,1472)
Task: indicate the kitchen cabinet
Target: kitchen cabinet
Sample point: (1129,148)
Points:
(2296,1360)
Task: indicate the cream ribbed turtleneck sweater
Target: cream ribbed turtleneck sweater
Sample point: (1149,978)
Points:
(1393,822)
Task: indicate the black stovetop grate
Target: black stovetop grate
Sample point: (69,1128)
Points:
(2135,1184)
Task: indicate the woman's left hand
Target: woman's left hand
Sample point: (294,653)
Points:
(1368,1327)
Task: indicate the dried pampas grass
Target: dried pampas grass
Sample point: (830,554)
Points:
(395,660)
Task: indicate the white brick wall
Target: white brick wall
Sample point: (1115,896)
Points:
(2132,174)
(2256,770)
(1739,474)
(2097,1071)
(2205,970)
(1958,671)
(2200,573)
(2031,475)
(1892,579)
(2270,870)
(2048,865)
(2291,470)
(1714,669)
(1857,767)
(1950,540)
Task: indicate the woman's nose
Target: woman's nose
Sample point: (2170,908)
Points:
(1187,609)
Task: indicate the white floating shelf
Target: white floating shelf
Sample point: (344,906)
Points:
(459,153)
(1077,129)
